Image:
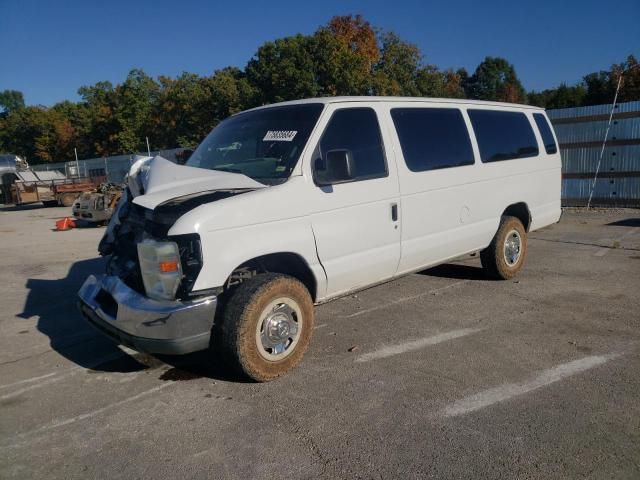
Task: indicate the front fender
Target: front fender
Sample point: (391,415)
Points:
(224,250)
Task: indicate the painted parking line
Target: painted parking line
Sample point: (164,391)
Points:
(27,380)
(391,350)
(508,391)
(405,299)
(44,380)
(68,421)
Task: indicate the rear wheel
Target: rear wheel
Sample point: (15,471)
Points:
(505,256)
(266,326)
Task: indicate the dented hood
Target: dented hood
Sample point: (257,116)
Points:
(153,181)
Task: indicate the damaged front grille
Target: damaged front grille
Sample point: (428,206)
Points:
(137,223)
(134,227)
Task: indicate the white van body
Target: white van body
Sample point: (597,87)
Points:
(347,236)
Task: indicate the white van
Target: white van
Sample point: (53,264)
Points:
(290,205)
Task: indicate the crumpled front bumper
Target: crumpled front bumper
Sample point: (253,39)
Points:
(163,327)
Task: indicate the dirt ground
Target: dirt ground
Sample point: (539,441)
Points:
(439,374)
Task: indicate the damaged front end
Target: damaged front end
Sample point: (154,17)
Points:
(146,298)
(133,224)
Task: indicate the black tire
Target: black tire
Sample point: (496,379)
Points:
(254,305)
(494,258)
(50,203)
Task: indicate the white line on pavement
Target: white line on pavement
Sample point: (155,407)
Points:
(54,377)
(405,299)
(392,350)
(27,380)
(84,416)
(494,395)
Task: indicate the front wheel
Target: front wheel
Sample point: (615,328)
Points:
(267,325)
(505,256)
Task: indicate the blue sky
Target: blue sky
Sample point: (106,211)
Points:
(50,48)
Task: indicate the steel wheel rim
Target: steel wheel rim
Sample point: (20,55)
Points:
(512,247)
(279,328)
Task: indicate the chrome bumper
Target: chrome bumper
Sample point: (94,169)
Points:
(153,326)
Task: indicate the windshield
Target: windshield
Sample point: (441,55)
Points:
(264,144)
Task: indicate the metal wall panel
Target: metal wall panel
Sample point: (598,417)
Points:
(618,192)
(618,181)
(622,129)
(625,158)
(593,110)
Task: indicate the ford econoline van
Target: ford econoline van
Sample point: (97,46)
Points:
(290,205)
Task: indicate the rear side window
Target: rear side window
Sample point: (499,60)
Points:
(503,135)
(432,138)
(545,132)
(356,130)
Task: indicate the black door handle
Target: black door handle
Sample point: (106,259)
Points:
(394,212)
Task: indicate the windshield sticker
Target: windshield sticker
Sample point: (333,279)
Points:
(279,136)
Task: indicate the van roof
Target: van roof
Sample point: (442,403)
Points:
(455,101)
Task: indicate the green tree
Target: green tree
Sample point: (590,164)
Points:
(28,132)
(101,133)
(190,106)
(397,71)
(601,86)
(229,92)
(562,97)
(338,67)
(432,82)
(180,111)
(134,104)
(283,70)
(495,79)
(630,71)
(10,100)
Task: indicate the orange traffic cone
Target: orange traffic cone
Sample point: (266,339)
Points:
(65,224)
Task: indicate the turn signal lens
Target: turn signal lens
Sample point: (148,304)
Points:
(169,266)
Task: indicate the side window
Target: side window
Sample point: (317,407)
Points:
(355,130)
(545,132)
(503,135)
(432,138)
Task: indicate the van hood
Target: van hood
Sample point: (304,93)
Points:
(153,181)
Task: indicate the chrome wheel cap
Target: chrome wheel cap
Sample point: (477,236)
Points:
(278,329)
(512,247)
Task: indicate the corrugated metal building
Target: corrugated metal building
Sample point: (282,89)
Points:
(580,133)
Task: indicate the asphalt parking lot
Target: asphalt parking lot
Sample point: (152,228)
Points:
(440,374)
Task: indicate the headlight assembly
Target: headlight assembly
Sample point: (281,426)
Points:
(160,268)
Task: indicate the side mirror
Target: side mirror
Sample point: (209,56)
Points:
(338,167)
